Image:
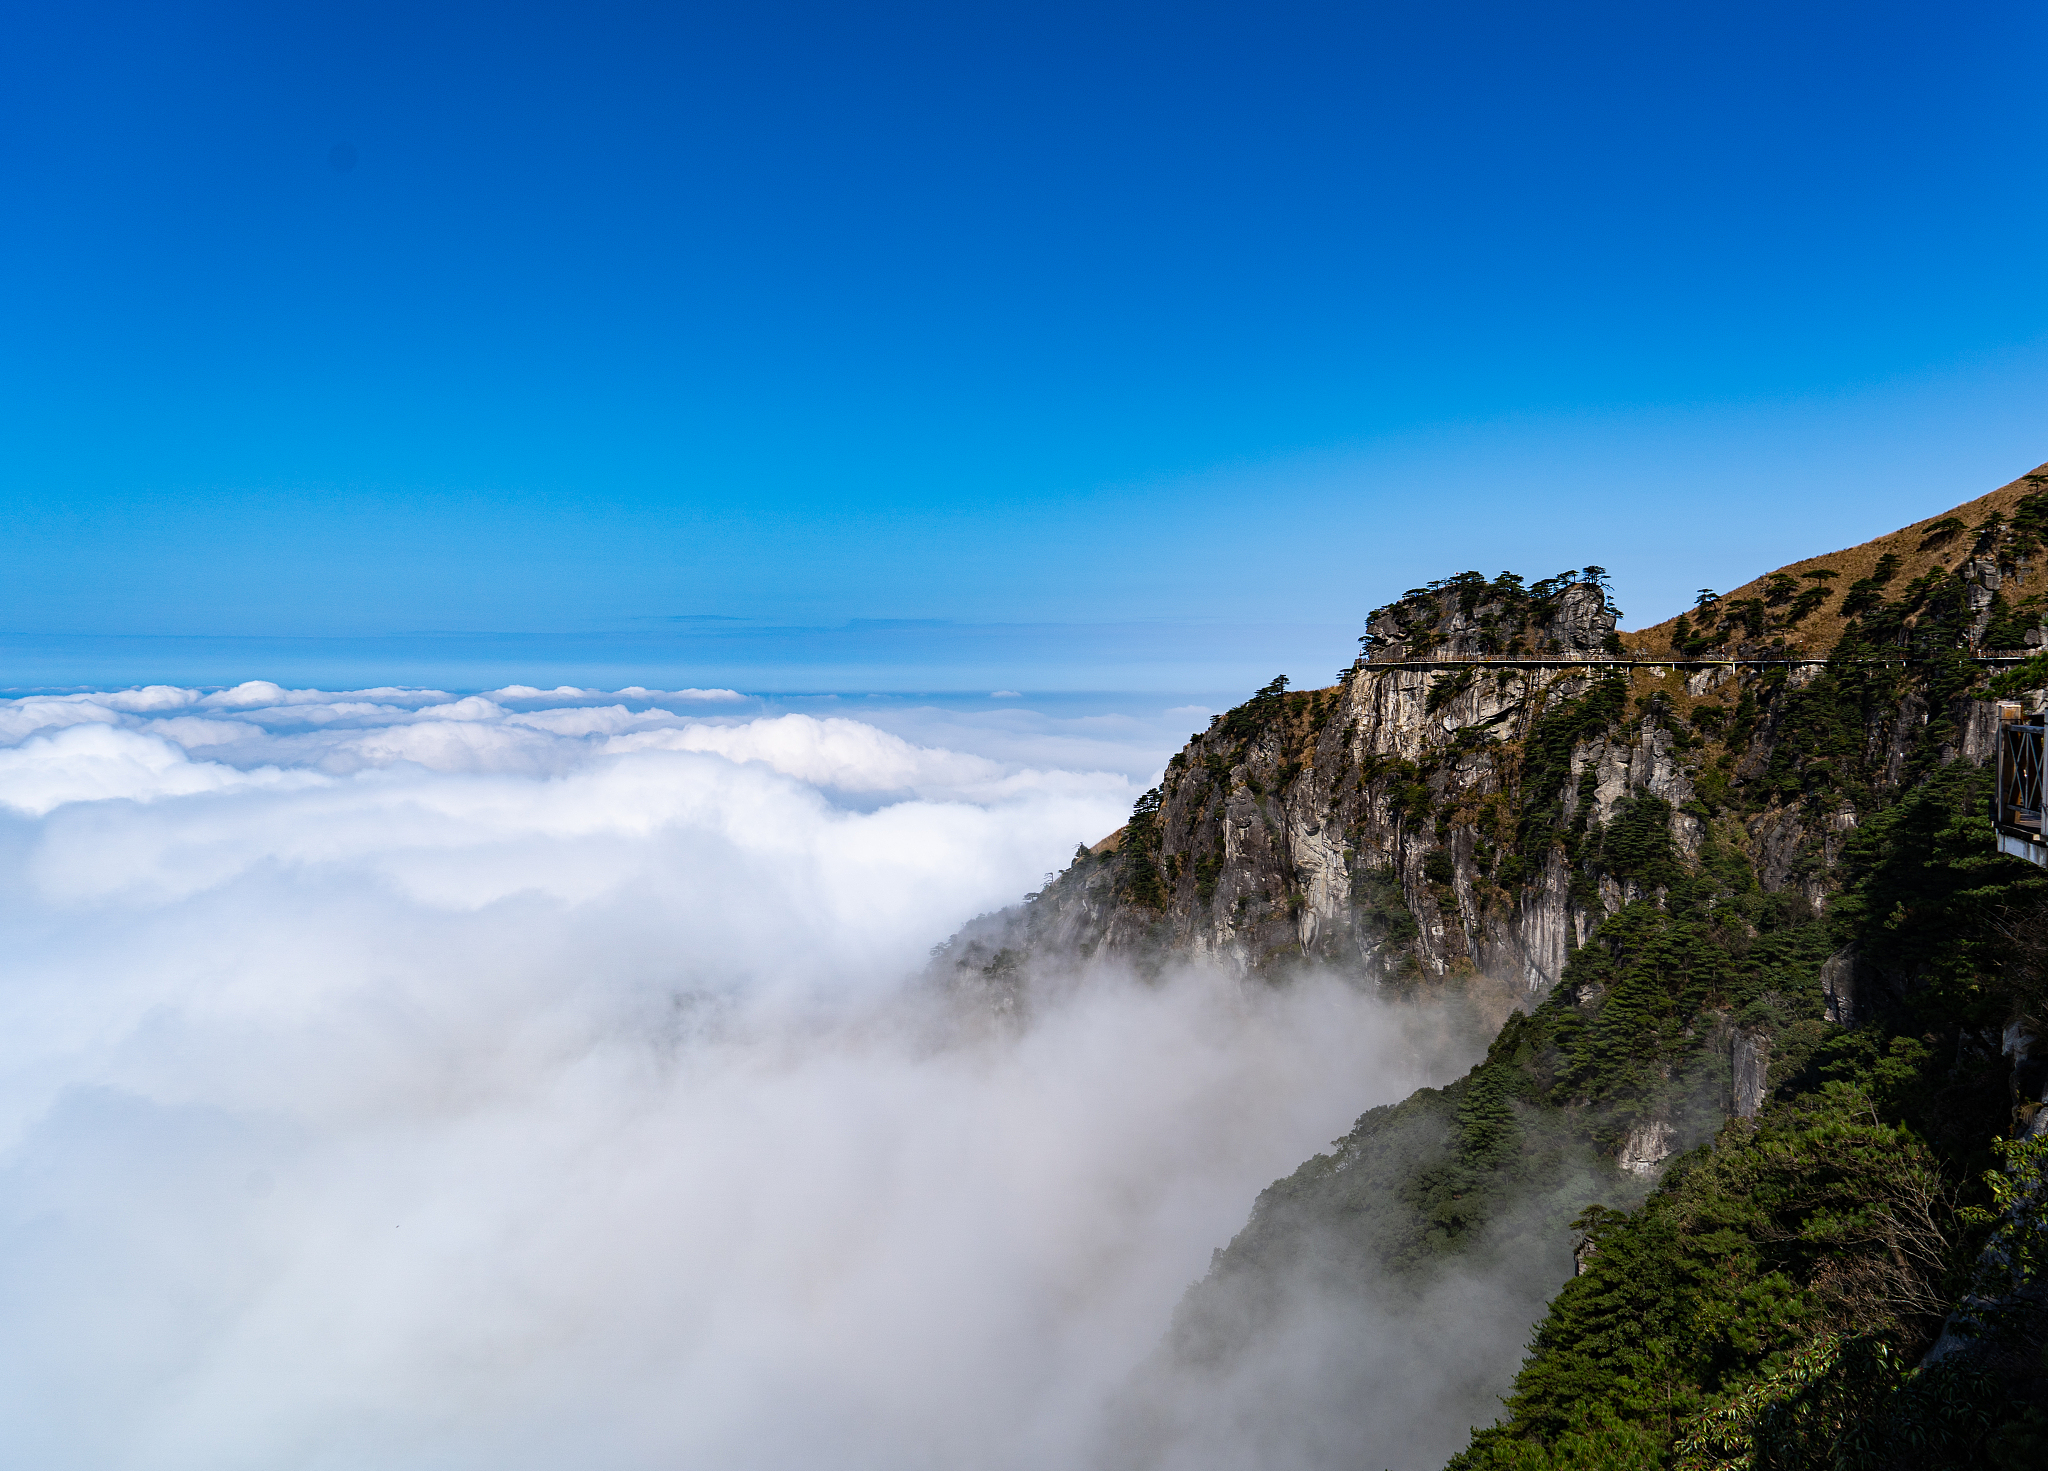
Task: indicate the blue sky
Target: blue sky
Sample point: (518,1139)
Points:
(1097,346)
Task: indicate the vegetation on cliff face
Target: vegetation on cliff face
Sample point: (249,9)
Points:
(1468,614)
(1394,819)
(1782,999)
(1769,1303)
(1774,1300)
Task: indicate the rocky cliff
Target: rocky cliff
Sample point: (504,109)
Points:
(1693,868)
(1375,822)
(1430,823)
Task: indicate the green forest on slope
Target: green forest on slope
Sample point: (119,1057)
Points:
(1773,1302)
(1765,1307)
(1852,1278)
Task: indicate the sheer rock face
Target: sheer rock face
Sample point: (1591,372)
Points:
(1854,989)
(1311,839)
(1841,994)
(1381,824)
(1646,1147)
(1368,825)
(1384,824)
(1584,623)
(1750,1084)
(1264,846)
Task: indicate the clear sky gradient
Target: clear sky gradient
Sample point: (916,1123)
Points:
(1059,335)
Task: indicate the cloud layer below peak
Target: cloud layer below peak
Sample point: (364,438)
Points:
(542,1077)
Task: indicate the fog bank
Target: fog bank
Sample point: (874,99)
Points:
(540,1079)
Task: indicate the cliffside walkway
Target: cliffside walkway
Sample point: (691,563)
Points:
(1652,661)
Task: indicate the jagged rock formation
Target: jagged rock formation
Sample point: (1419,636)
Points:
(1752,1073)
(1645,1147)
(1467,615)
(1389,820)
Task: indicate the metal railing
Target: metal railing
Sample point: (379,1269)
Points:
(1666,661)
(2016,805)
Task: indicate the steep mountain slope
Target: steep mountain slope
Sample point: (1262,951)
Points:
(1331,823)
(1993,545)
(1753,919)
(1399,817)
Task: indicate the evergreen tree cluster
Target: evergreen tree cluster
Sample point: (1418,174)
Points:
(1772,1302)
(1508,615)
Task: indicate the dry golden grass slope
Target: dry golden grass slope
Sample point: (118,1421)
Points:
(1818,632)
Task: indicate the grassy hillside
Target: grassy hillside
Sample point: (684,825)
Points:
(2009,525)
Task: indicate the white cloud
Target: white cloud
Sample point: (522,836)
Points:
(19,718)
(258,694)
(150,699)
(193,731)
(845,754)
(689,696)
(417,1084)
(92,763)
(472,707)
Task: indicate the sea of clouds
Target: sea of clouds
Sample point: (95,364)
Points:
(547,1078)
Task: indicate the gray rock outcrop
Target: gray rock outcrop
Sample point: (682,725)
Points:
(1752,1067)
(1646,1146)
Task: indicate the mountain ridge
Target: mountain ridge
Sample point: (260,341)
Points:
(2020,574)
(1728,917)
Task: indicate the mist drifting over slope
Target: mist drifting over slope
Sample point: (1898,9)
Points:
(543,1078)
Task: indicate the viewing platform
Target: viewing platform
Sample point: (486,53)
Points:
(2016,805)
